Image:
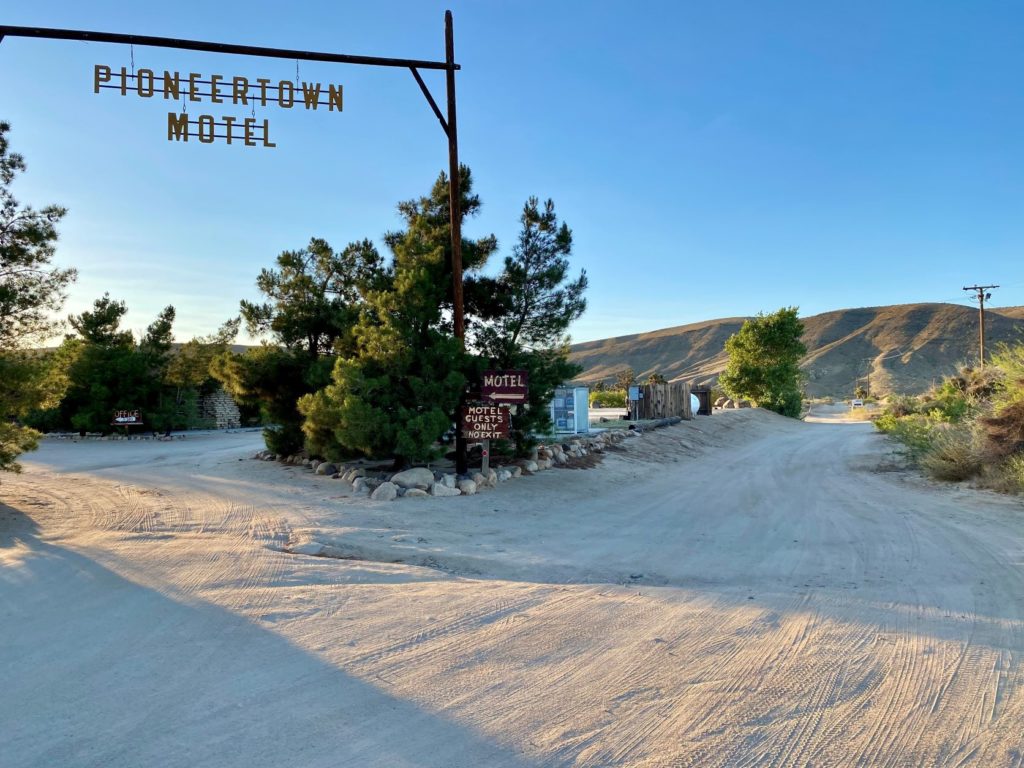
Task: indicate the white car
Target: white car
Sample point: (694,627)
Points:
(856,403)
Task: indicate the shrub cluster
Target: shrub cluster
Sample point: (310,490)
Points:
(608,398)
(969,427)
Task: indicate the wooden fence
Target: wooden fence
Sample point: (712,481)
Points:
(660,401)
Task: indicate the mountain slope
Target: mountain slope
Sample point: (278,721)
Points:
(900,348)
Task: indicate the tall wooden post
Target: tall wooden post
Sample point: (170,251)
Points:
(455,211)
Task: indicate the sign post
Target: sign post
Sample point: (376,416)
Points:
(501,387)
(485,421)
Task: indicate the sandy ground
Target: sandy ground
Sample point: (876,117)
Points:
(736,591)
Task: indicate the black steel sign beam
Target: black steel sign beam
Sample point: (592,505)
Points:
(210,47)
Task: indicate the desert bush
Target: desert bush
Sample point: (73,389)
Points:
(952,454)
(609,398)
(1004,429)
(916,432)
(902,405)
(1012,472)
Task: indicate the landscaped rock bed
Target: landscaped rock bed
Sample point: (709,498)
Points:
(580,452)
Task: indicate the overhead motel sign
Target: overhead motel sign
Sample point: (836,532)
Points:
(236,91)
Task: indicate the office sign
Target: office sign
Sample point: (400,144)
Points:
(126,418)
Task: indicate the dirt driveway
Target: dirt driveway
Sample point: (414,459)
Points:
(739,590)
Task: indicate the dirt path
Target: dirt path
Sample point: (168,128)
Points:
(741,590)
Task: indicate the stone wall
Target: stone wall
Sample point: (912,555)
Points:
(219,408)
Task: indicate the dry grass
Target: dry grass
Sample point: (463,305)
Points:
(1004,430)
(953,456)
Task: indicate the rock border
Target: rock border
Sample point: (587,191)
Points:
(423,482)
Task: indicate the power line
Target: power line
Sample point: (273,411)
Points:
(981,294)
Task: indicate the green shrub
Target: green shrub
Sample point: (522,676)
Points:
(1013,474)
(609,398)
(902,405)
(915,432)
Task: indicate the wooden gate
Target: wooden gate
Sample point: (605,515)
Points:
(660,401)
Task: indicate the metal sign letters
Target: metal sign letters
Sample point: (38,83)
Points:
(216,89)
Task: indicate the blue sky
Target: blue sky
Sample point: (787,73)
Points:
(712,159)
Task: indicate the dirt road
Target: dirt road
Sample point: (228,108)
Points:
(736,591)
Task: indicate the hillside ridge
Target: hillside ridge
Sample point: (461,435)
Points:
(891,348)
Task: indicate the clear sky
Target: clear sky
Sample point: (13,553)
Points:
(713,159)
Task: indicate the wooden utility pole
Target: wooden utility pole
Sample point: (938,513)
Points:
(455,214)
(982,294)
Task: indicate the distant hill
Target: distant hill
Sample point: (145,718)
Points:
(901,348)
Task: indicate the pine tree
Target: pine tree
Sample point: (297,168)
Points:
(30,290)
(315,296)
(399,392)
(533,305)
(108,371)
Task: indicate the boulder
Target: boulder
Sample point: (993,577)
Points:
(492,478)
(467,487)
(530,466)
(326,468)
(417,477)
(360,486)
(449,480)
(515,471)
(479,479)
(729,403)
(415,493)
(504,475)
(720,402)
(385,492)
(440,489)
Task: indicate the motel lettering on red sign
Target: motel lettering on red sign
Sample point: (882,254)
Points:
(504,386)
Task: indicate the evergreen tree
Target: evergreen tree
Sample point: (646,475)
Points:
(315,297)
(30,290)
(399,392)
(764,362)
(188,375)
(109,372)
(273,379)
(533,304)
